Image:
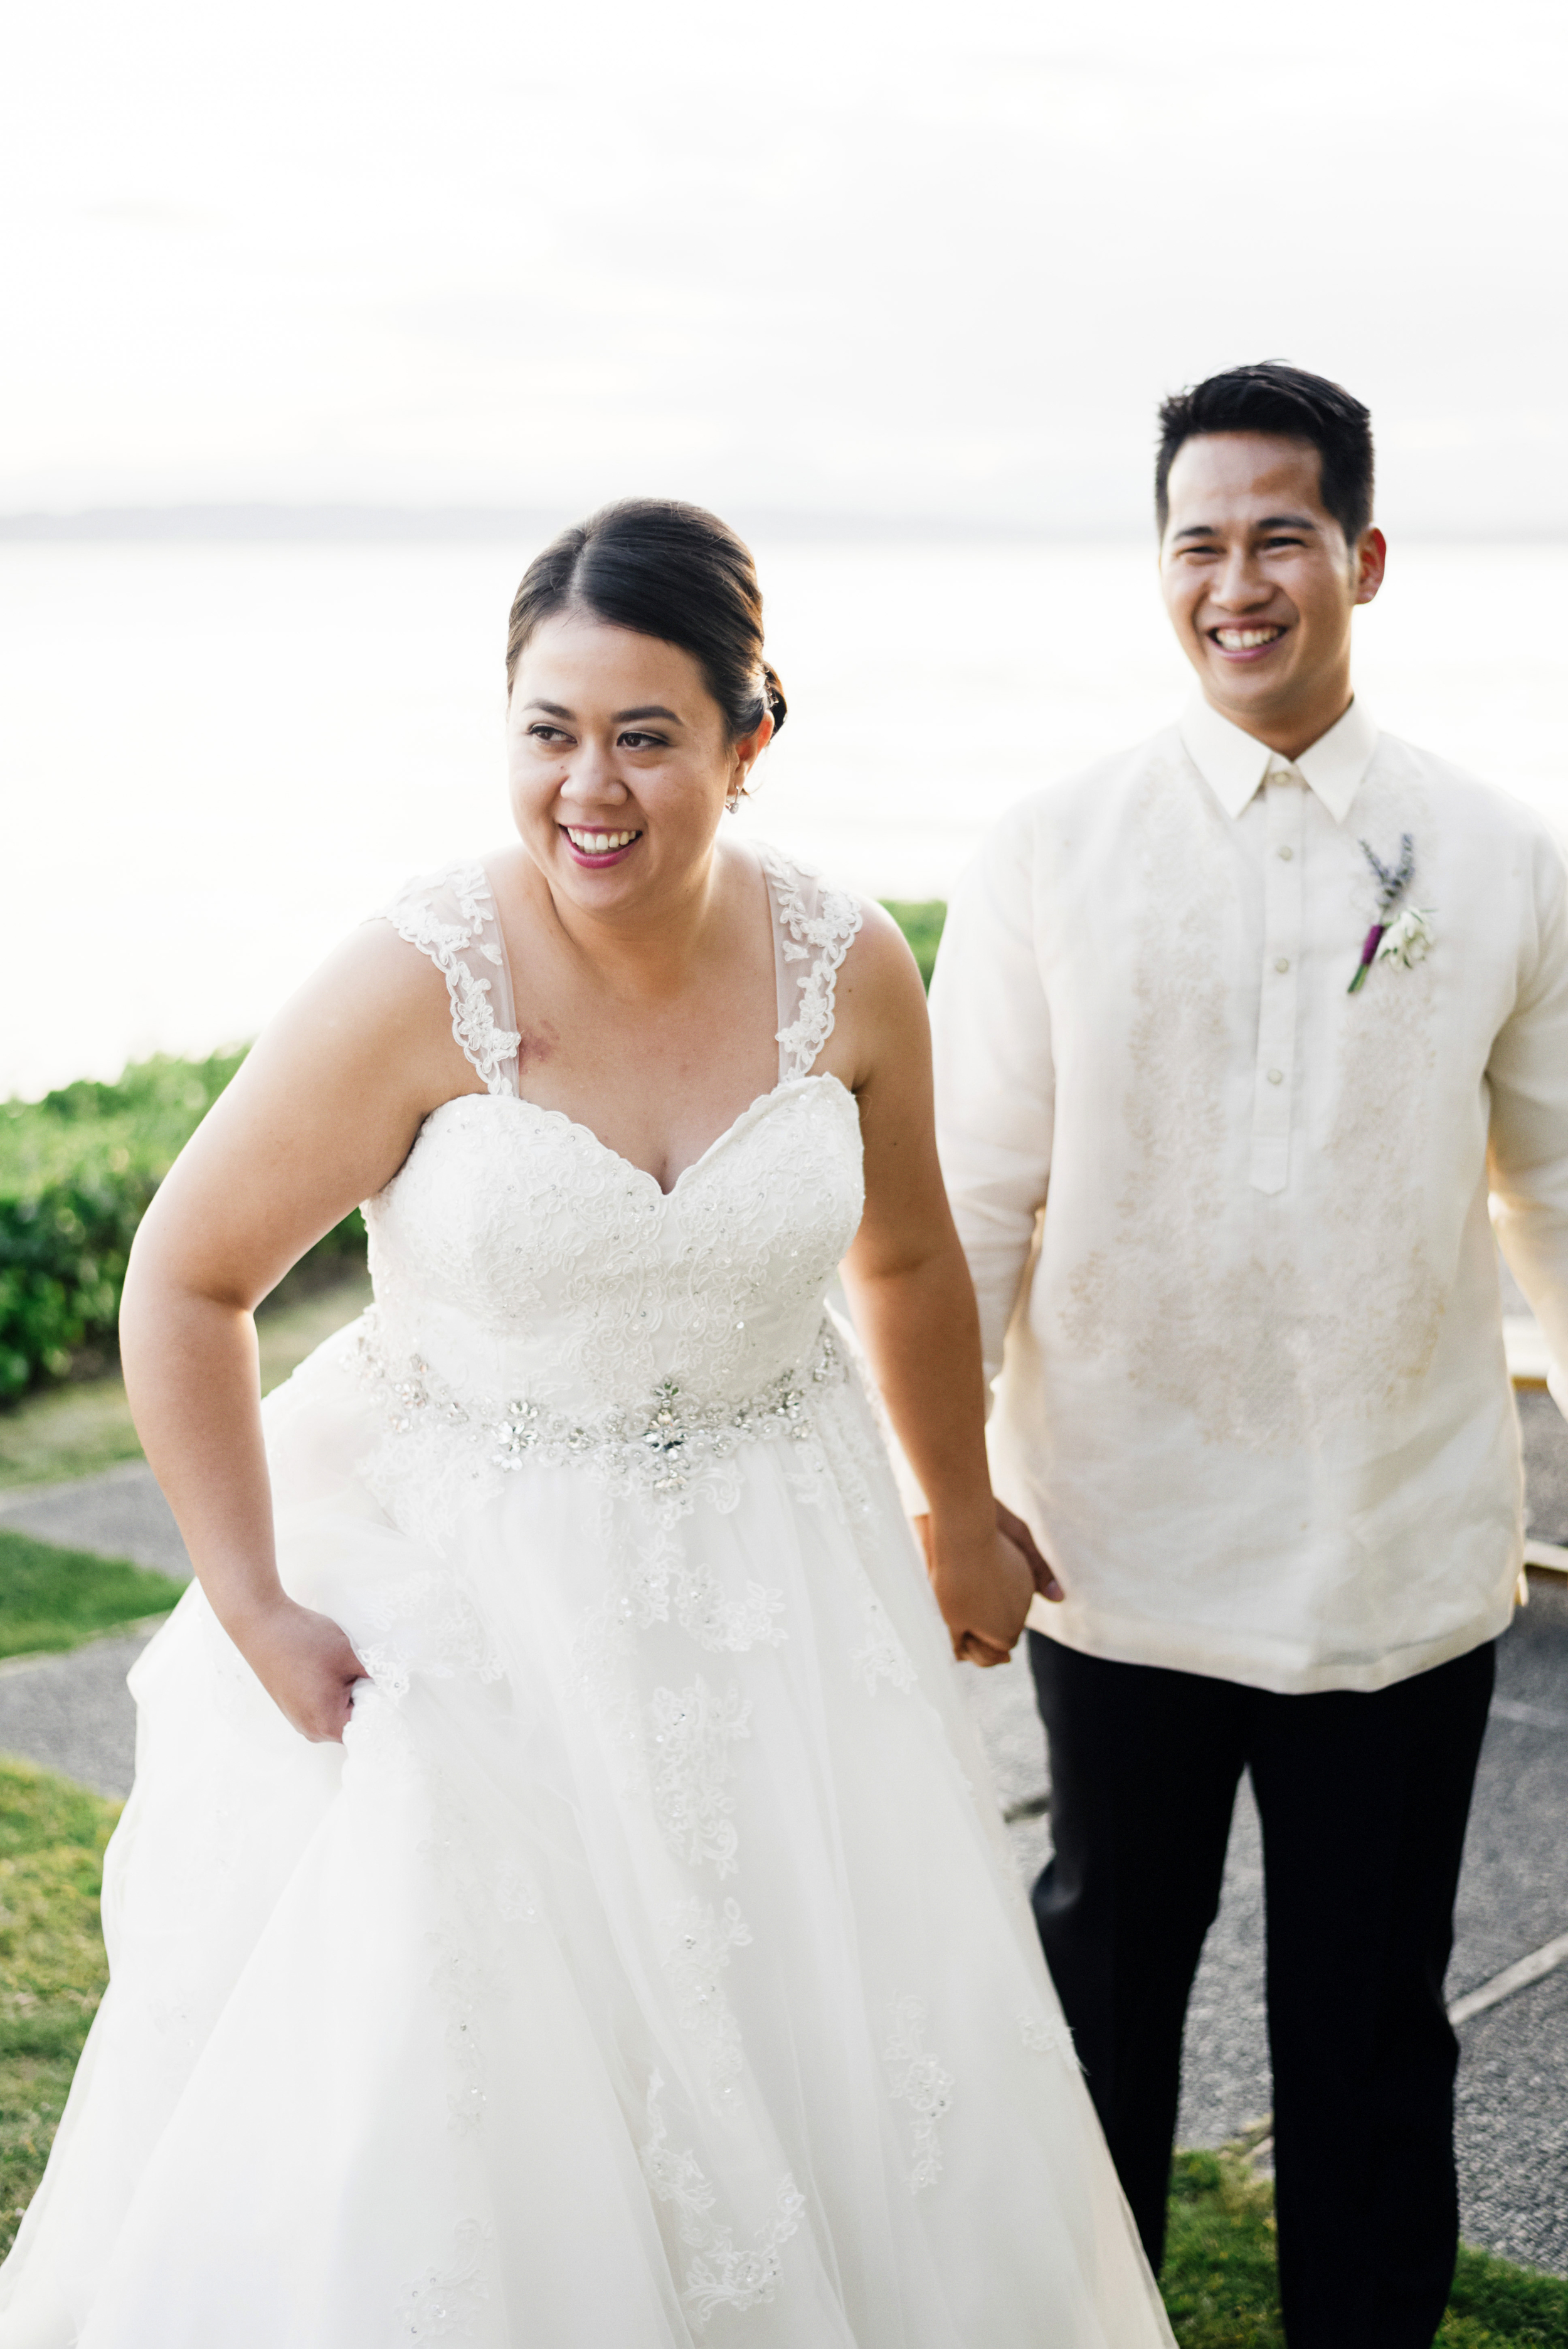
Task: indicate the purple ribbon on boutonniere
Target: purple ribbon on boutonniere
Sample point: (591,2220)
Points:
(1391,887)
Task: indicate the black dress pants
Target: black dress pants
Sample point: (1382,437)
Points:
(1363,1800)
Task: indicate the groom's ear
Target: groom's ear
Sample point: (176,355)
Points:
(1369,561)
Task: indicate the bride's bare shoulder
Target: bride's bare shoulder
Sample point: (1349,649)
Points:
(376,1009)
(879,966)
(378,970)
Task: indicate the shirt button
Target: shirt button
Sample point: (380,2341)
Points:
(1276,1076)
(1285,854)
(1282,962)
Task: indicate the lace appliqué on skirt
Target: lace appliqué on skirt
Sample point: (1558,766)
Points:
(724,2274)
(443,2303)
(882,1654)
(689,1736)
(428,1623)
(918,2080)
(695,1960)
(1047,2034)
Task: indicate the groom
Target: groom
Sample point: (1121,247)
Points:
(1236,1031)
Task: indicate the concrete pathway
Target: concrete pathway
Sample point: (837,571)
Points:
(74,1713)
(120,1513)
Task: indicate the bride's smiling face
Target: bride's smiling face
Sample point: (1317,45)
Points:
(619,762)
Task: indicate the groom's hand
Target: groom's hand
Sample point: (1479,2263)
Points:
(1017,1532)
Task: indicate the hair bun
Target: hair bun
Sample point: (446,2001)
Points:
(777,707)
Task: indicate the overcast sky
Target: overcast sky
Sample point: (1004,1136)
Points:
(871,260)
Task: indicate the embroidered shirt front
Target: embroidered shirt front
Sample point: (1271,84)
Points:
(1254,1399)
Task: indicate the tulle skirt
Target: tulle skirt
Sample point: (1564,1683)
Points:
(645,1969)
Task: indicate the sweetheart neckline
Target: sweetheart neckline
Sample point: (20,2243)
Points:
(749,1115)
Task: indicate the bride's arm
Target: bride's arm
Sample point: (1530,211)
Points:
(320,1115)
(913,1298)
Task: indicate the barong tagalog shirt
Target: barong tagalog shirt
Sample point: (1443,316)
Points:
(1228,1221)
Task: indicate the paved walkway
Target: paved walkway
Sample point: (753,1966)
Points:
(74,1713)
(121,1513)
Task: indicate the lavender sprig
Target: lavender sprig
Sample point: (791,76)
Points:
(1391,887)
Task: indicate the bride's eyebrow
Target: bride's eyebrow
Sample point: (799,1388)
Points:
(622,718)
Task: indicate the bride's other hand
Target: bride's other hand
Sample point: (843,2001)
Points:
(322,1114)
(306,1664)
(983,1587)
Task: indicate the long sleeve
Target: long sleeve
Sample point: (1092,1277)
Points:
(1528,1153)
(995,1083)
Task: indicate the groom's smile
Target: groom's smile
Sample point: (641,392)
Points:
(1245,642)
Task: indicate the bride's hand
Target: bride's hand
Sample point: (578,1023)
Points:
(304,1663)
(984,1586)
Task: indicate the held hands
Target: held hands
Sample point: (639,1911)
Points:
(304,1663)
(983,1581)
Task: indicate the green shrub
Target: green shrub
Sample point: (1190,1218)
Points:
(76,1172)
(922,926)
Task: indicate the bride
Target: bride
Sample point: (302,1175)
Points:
(558,1904)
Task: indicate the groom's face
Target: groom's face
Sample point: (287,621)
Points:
(1258,579)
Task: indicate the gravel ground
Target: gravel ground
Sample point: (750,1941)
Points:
(75,1714)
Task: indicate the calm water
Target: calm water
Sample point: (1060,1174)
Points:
(215,759)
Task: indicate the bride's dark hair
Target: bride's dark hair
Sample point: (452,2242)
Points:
(665,570)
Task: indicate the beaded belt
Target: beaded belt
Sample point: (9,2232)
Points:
(661,1445)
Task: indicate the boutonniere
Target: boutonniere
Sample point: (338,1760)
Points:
(1406,938)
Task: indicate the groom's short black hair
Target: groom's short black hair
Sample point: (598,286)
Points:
(1273,397)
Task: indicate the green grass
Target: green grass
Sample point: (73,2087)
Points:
(52,1598)
(1219,2277)
(52,1969)
(922,926)
(58,1433)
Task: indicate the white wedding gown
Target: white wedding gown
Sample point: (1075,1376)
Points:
(645,1967)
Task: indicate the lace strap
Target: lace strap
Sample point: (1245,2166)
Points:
(813,925)
(450,916)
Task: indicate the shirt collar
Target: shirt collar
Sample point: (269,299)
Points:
(1233,763)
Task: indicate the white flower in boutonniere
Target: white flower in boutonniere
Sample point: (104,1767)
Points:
(1408,938)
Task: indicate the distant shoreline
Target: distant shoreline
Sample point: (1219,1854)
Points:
(261,523)
(469,524)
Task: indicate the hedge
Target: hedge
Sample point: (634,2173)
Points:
(922,926)
(77,1171)
(78,1167)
